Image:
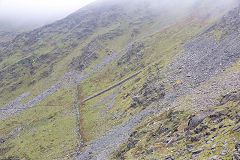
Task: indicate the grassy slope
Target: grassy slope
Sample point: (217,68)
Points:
(50,127)
(162,54)
(46,119)
(18,62)
(95,83)
(158,50)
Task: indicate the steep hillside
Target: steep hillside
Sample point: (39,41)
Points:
(144,80)
(33,56)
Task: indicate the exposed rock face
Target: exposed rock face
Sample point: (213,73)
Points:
(152,90)
(86,58)
(135,49)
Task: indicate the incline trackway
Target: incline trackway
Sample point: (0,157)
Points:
(110,88)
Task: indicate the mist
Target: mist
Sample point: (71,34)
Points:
(174,6)
(37,12)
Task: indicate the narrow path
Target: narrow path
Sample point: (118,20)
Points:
(100,148)
(76,105)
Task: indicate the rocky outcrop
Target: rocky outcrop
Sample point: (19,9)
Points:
(86,58)
(151,91)
(133,51)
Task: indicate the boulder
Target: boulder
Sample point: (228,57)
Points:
(194,121)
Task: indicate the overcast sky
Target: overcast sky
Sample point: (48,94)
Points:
(38,11)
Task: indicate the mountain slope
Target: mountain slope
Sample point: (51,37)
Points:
(125,85)
(35,53)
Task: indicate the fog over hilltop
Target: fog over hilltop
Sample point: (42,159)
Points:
(30,14)
(18,13)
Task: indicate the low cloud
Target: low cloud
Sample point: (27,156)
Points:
(20,12)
